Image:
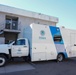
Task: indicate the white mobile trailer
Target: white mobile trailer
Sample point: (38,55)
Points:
(41,42)
(69,38)
(48,42)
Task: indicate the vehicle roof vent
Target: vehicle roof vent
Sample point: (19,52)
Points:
(62,27)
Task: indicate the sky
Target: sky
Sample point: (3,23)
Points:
(65,10)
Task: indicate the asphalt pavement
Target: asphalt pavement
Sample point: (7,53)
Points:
(67,67)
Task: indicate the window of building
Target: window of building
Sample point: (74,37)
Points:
(8,23)
(11,22)
(57,38)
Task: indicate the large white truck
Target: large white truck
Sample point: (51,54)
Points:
(40,43)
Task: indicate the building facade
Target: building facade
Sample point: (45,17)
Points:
(14,20)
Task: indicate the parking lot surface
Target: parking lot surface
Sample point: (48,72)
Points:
(67,67)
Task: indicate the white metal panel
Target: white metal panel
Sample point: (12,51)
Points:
(20,50)
(73,43)
(43,47)
(69,38)
(4,48)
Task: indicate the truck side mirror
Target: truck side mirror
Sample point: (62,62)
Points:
(15,42)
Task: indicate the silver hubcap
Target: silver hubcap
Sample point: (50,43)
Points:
(2,61)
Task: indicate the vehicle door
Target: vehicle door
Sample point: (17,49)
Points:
(20,48)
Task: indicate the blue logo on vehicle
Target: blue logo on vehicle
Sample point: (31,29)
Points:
(42,32)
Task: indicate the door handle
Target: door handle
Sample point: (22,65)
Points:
(19,50)
(25,46)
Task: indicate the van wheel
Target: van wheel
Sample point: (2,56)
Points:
(60,57)
(2,60)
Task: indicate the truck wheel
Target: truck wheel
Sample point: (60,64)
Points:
(26,58)
(60,57)
(2,60)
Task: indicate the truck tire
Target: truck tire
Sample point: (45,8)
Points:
(26,58)
(60,57)
(2,60)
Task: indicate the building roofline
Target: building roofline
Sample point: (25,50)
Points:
(22,12)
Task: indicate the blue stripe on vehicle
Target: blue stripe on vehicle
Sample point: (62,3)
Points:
(59,45)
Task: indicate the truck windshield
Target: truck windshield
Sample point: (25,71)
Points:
(18,42)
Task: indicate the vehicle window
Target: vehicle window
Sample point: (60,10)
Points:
(57,38)
(21,42)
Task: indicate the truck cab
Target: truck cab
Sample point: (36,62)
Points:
(18,48)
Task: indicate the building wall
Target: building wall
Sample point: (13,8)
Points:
(17,11)
(24,21)
(2,40)
(2,19)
